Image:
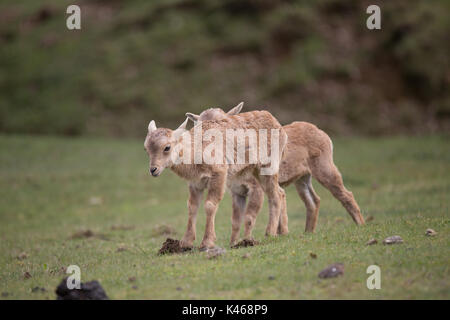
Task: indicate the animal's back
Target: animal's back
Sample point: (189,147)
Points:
(305,142)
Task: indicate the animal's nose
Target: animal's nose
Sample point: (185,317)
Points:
(153,169)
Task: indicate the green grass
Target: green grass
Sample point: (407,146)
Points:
(46,184)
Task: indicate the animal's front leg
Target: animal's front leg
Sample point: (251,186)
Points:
(195,196)
(216,189)
(271,188)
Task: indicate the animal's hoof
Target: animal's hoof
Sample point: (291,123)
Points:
(206,245)
(186,244)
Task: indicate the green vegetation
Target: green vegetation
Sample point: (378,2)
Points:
(138,59)
(52,188)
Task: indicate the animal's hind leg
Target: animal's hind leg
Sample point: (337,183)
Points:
(311,200)
(254,205)
(236,218)
(330,177)
(283,224)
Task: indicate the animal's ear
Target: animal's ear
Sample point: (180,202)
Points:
(151,126)
(236,109)
(181,129)
(192,116)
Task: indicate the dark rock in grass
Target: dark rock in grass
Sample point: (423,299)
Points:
(245,243)
(172,246)
(38,289)
(5,294)
(372,242)
(336,269)
(430,232)
(91,290)
(393,240)
(271,278)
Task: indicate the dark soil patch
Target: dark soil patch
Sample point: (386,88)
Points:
(91,290)
(172,246)
(245,243)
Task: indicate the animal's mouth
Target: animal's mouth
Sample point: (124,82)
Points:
(156,173)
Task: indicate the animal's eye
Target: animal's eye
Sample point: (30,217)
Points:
(166,148)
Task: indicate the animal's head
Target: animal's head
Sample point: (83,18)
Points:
(161,146)
(214,114)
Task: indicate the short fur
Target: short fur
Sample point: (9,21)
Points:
(215,176)
(309,153)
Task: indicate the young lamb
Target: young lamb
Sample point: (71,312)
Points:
(309,152)
(166,148)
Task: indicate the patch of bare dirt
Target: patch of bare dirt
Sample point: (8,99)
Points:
(245,243)
(172,246)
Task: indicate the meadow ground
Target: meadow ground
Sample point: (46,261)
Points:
(51,188)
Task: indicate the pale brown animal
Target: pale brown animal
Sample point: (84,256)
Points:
(309,152)
(162,146)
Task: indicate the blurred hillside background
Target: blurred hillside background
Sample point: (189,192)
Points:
(137,60)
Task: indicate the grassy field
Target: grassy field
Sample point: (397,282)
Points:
(51,188)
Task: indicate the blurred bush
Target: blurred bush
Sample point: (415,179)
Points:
(138,60)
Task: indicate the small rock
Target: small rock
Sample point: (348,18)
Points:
(334,270)
(179,288)
(22,256)
(38,289)
(5,294)
(430,233)
(134,287)
(27,275)
(132,279)
(313,255)
(215,252)
(393,240)
(271,278)
(372,242)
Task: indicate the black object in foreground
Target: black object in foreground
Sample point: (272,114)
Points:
(91,290)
